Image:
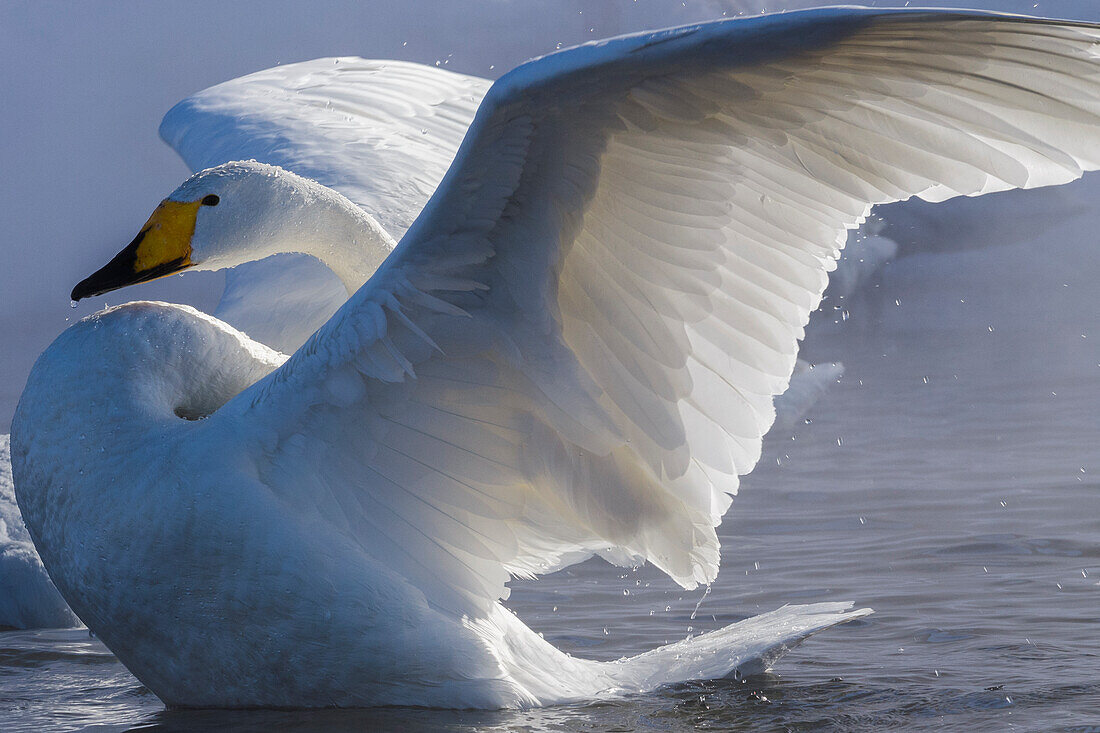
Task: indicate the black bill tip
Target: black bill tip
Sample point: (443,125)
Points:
(121,271)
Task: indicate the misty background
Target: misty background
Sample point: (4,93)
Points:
(85,85)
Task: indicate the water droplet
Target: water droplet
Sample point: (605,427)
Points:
(72,303)
(705,594)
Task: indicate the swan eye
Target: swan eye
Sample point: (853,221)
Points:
(211,200)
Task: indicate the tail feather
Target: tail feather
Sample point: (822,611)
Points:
(540,674)
(746,647)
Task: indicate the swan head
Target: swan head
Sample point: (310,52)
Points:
(221,217)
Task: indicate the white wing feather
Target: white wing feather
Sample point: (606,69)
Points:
(382,133)
(575,346)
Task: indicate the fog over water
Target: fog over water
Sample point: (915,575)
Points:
(949,480)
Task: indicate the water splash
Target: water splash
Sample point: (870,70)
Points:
(701,599)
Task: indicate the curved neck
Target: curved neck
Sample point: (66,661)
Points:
(342,236)
(283,212)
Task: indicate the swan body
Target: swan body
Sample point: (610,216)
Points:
(572,350)
(247,623)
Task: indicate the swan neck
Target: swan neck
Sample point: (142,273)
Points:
(345,238)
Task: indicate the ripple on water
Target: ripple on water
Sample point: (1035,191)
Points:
(1022,545)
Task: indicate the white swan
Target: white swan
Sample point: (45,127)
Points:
(572,350)
(28,599)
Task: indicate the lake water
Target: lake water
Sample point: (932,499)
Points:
(951,481)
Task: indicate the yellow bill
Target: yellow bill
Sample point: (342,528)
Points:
(162,247)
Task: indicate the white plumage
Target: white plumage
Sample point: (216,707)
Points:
(572,350)
(27,597)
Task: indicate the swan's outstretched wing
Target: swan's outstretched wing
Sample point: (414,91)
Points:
(381,132)
(575,346)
